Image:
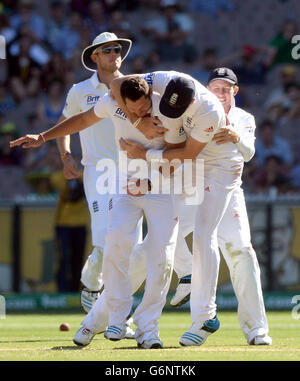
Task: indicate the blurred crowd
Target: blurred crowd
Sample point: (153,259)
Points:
(44,41)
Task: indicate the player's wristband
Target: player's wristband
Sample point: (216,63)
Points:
(154,154)
(64,155)
(137,122)
(43,137)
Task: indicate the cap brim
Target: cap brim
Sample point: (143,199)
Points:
(89,64)
(223,79)
(170,112)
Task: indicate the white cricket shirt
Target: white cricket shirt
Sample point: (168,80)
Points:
(106,107)
(97,142)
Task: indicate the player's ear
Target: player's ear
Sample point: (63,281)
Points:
(150,92)
(192,101)
(94,57)
(235,90)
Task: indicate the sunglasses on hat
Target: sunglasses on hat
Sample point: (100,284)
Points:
(109,49)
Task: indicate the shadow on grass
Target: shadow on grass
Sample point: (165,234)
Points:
(30,341)
(66,348)
(143,349)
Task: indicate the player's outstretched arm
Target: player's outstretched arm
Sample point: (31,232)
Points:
(69,126)
(70,167)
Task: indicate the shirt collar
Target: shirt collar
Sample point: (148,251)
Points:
(95,81)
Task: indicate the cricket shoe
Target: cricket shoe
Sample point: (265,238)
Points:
(183,292)
(152,343)
(83,337)
(197,335)
(261,340)
(88,299)
(129,331)
(116,332)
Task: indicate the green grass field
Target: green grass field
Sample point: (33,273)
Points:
(36,337)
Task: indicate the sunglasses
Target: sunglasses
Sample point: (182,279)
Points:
(109,49)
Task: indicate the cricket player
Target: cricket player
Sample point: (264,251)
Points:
(125,210)
(234,237)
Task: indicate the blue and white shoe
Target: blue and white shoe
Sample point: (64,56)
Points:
(116,332)
(152,343)
(183,292)
(88,298)
(197,335)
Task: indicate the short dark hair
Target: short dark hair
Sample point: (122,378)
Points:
(266,123)
(134,88)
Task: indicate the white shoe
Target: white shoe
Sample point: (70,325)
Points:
(83,337)
(129,331)
(197,335)
(183,292)
(88,299)
(152,343)
(261,340)
(116,332)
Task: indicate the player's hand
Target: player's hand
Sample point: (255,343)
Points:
(70,168)
(226,135)
(27,141)
(134,150)
(137,187)
(151,128)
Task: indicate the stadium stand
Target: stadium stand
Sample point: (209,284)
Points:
(228,30)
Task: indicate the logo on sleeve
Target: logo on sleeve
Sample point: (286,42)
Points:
(91,99)
(119,113)
(181,131)
(149,78)
(209,129)
(188,123)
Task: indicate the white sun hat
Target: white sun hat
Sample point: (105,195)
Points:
(101,39)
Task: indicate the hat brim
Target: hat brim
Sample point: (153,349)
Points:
(223,79)
(171,112)
(89,64)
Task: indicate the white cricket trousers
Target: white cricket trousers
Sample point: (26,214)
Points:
(234,240)
(218,188)
(162,222)
(97,318)
(91,274)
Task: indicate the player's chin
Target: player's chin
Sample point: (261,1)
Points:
(116,63)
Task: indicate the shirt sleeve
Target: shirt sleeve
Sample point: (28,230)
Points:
(247,138)
(206,125)
(158,80)
(72,106)
(105,107)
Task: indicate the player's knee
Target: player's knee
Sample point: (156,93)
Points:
(116,237)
